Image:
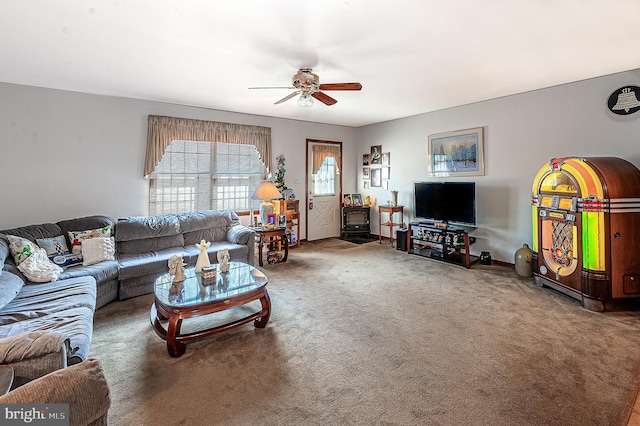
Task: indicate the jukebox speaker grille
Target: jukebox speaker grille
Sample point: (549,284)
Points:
(562,242)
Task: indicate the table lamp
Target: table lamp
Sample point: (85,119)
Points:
(266,191)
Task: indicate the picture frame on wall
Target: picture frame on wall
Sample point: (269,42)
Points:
(459,153)
(365,173)
(365,159)
(385,172)
(386,158)
(365,184)
(376,154)
(376,180)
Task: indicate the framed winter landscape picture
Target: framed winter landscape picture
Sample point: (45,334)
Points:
(458,153)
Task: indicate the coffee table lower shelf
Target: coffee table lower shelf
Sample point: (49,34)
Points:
(173,316)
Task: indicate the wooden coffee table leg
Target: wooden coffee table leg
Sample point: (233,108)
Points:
(265,301)
(174,347)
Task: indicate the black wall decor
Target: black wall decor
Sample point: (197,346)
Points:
(625,100)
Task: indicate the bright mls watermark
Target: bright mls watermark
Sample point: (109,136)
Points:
(34,414)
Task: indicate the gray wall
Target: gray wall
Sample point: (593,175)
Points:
(522,133)
(66,154)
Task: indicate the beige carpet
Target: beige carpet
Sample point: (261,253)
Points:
(368,335)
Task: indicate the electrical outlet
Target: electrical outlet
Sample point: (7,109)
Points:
(296,180)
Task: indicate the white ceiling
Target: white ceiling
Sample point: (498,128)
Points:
(411,56)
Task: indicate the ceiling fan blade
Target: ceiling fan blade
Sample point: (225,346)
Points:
(274,87)
(289,96)
(325,99)
(341,86)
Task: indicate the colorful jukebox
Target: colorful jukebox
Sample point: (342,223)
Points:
(586,229)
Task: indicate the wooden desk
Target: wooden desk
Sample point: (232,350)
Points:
(275,237)
(390,223)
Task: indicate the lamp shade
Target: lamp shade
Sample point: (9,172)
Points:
(266,190)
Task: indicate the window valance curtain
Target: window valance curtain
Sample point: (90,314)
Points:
(161,131)
(320,152)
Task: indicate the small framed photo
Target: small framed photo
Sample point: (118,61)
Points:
(282,220)
(346,200)
(385,172)
(376,154)
(271,219)
(365,173)
(376,180)
(357,200)
(386,158)
(365,159)
(366,184)
(385,184)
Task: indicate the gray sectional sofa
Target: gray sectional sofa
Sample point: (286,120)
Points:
(143,246)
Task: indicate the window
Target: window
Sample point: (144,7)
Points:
(325,179)
(201,175)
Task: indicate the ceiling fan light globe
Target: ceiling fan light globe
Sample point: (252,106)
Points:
(305,101)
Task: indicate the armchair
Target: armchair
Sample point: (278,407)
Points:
(41,376)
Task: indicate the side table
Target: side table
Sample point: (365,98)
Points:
(390,223)
(275,237)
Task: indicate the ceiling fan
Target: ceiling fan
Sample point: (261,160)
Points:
(307,85)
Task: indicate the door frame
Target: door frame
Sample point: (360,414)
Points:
(306,182)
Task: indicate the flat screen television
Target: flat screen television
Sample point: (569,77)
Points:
(448,202)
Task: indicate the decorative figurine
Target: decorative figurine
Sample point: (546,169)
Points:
(176,268)
(203,258)
(223,259)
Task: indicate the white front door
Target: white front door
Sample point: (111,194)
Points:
(323,194)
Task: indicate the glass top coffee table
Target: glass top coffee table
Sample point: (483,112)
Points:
(192,297)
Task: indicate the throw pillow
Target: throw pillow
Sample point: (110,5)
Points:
(55,245)
(76,237)
(38,268)
(66,260)
(95,250)
(21,248)
(58,251)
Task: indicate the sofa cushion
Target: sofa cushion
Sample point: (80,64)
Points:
(101,272)
(148,234)
(33,232)
(66,306)
(134,265)
(82,223)
(208,225)
(4,250)
(10,286)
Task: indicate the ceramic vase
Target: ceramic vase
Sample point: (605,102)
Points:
(523,261)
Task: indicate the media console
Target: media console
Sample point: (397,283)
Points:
(449,244)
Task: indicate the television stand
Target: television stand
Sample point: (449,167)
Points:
(448,244)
